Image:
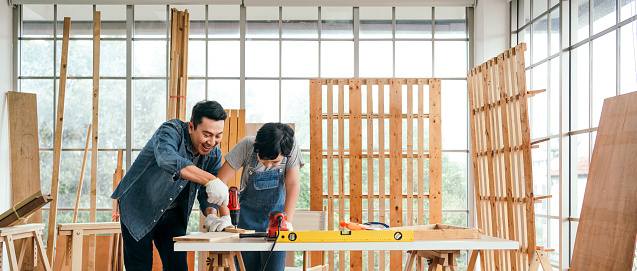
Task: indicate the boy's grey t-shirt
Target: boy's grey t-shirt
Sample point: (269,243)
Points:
(241,154)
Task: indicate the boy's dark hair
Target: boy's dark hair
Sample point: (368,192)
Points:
(209,109)
(274,138)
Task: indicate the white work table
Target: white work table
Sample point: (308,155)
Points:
(259,244)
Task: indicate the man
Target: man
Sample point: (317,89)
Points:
(156,195)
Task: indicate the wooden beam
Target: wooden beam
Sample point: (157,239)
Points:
(79,185)
(96,93)
(355,166)
(435,153)
(57,142)
(381,164)
(370,167)
(395,166)
(341,161)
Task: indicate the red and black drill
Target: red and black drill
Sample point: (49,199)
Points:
(233,205)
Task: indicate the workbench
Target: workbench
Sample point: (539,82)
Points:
(259,244)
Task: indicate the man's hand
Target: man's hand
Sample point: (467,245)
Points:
(214,223)
(217,192)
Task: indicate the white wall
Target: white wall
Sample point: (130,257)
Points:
(6,75)
(491,29)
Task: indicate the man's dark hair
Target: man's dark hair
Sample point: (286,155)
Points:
(274,138)
(209,109)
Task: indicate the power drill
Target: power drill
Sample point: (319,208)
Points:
(233,205)
(278,221)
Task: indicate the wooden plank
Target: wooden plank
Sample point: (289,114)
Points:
(381,164)
(184,69)
(370,166)
(23,147)
(435,153)
(421,155)
(226,131)
(96,90)
(395,166)
(207,236)
(330,165)
(355,165)
(475,137)
(410,152)
(507,158)
(440,231)
(490,165)
(608,224)
(316,149)
(57,144)
(341,163)
(526,142)
(79,184)
(172,91)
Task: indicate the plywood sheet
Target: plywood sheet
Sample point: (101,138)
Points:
(208,236)
(608,225)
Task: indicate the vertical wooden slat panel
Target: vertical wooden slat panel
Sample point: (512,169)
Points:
(421,147)
(57,145)
(341,163)
(410,152)
(316,151)
(330,164)
(355,165)
(395,162)
(381,163)
(526,147)
(473,119)
(435,153)
(491,173)
(507,158)
(370,166)
(226,131)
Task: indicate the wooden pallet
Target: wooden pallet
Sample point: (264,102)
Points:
(501,150)
(322,121)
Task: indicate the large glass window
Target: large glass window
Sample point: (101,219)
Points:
(580,60)
(263,68)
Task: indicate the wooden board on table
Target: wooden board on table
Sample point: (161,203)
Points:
(208,236)
(608,223)
(441,231)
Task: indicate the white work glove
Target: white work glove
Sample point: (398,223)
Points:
(289,226)
(214,223)
(217,192)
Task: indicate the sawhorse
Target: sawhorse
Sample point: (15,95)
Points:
(220,260)
(9,235)
(441,260)
(539,258)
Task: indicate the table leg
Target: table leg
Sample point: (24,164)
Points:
(410,260)
(242,266)
(13,262)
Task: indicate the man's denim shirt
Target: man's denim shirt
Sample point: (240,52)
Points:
(154,180)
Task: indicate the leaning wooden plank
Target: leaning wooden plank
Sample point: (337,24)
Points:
(23,147)
(316,146)
(96,94)
(608,224)
(355,165)
(507,157)
(21,211)
(232,140)
(25,155)
(57,142)
(435,153)
(526,147)
(79,185)
(395,166)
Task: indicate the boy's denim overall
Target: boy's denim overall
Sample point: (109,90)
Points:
(264,193)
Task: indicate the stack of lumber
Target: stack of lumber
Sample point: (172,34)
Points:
(24,209)
(180,25)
